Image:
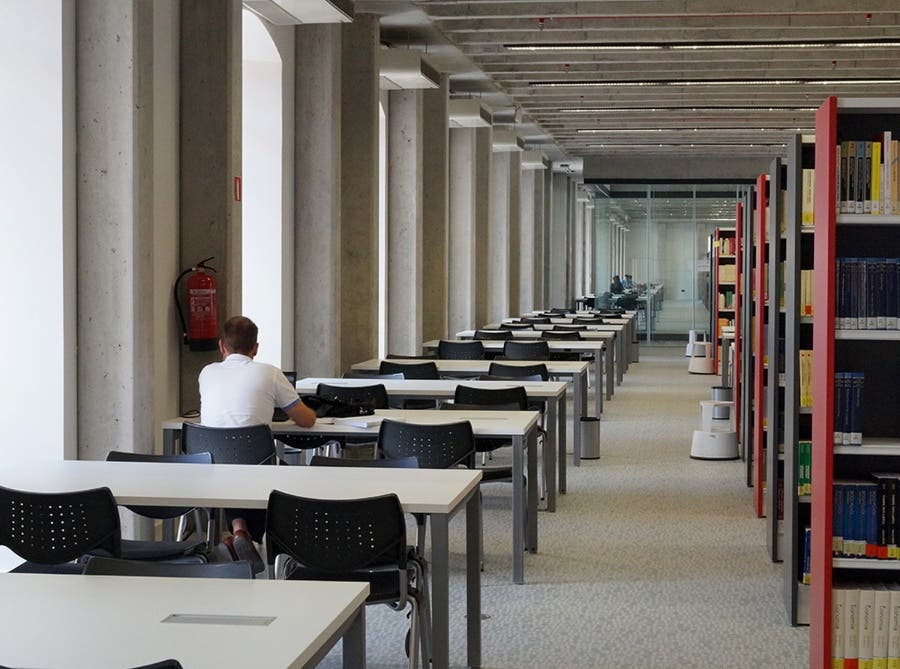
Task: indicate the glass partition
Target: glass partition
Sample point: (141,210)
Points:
(655,237)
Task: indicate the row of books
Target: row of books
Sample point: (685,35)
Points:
(804,467)
(868,292)
(722,323)
(805,571)
(727,246)
(848,404)
(808,197)
(727,273)
(865,626)
(726,300)
(864,520)
(805,364)
(807,280)
(868,176)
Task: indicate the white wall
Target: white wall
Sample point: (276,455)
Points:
(37,257)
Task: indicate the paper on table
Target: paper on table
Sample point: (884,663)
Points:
(360,421)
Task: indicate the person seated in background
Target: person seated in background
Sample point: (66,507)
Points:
(628,282)
(616,287)
(238,392)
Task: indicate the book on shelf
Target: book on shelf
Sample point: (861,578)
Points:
(807,554)
(868,294)
(805,366)
(868,177)
(865,647)
(838,597)
(804,467)
(807,197)
(806,292)
(851,626)
(848,403)
(727,246)
(727,273)
(726,299)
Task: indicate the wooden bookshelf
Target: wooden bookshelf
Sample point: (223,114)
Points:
(837,120)
(724,280)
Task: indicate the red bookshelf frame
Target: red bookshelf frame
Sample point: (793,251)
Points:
(759,342)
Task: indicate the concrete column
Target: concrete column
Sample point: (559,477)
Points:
(527,249)
(405,226)
(359,189)
(515,174)
(484,157)
(115,228)
(589,248)
(547,224)
(559,244)
(538,257)
(435,198)
(577,256)
(210,126)
(317,196)
(461,267)
(498,239)
(570,242)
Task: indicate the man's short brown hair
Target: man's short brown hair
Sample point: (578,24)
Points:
(239,335)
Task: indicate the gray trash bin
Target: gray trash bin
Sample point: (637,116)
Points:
(722,394)
(590,437)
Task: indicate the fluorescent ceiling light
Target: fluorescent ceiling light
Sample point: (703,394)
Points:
(533,160)
(404,69)
(296,12)
(704,46)
(712,82)
(469,114)
(664,145)
(629,110)
(506,140)
(604,131)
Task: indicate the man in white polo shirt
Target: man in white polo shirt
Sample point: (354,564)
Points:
(238,392)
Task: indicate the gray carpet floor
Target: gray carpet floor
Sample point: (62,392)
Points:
(652,559)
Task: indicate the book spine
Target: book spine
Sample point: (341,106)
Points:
(882,627)
(881,282)
(892,518)
(862,180)
(837,519)
(838,598)
(871,265)
(866,628)
(807,556)
(894,629)
(890,290)
(838,408)
(851,628)
(875,196)
(856,435)
(872,515)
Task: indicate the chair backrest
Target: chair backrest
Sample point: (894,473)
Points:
(491,377)
(385,463)
(375,395)
(536,320)
(526,350)
(570,328)
(460,350)
(330,537)
(164,664)
(493,334)
(160,512)
(250,445)
(435,446)
(423,356)
(57,527)
(363,375)
(516,371)
(515,395)
(582,320)
(559,310)
(410,370)
(517,326)
(101,566)
(560,334)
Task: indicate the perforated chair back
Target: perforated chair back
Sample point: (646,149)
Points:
(526,350)
(515,396)
(100,566)
(587,321)
(570,328)
(251,445)
(410,370)
(516,326)
(53,528)
(159,512)
(494,334)
(536,320)
(363,375)
(423,356)
(333,538)
(374,395)
(384,463)
(559,310)
(561,334)
(491,377)
(515,371)
(461,350)
(434,446)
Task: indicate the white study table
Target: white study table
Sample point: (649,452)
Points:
(572,369)
(610,361)
(438,493)
(596,346)
(520,427)
(113,622)
(552,393)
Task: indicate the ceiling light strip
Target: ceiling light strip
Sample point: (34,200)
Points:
(748,129)
(613,110)
(712,82)
(705,46)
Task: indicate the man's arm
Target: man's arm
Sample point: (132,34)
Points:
(301,414)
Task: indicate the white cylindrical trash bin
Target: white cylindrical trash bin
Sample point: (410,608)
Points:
(590,437)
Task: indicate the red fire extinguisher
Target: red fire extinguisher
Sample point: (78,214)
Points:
(201,331)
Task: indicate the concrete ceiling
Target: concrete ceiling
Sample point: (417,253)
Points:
(572,102)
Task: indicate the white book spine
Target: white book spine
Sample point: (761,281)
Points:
(866,628)
(882,627)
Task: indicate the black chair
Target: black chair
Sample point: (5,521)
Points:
(501,399)
(396,463)
(411,370)
(536,320)
(558,311)
(570,328)
(505,333)
(516,371)
(163,550)
(251,445)
(491,377)
(351,540)
(423,356)
(363,375)
(374,395)
(51,530)
(581,320)
(434,446)
(460,350)
(100,566)
(526,350)
(516,326)
(573,335)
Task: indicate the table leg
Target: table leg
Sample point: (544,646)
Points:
(518,504)
(621,358)
(602,358)
(532,493)
(549,452)
(473,580)
(169,438)
(440,592)
(354,643)
(579,411)
(561,442)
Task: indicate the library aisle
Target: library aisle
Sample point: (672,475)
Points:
(652,559)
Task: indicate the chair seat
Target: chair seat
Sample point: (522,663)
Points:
(36,568)
(160,550)
(489,445)
(491,474)
(384,584)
